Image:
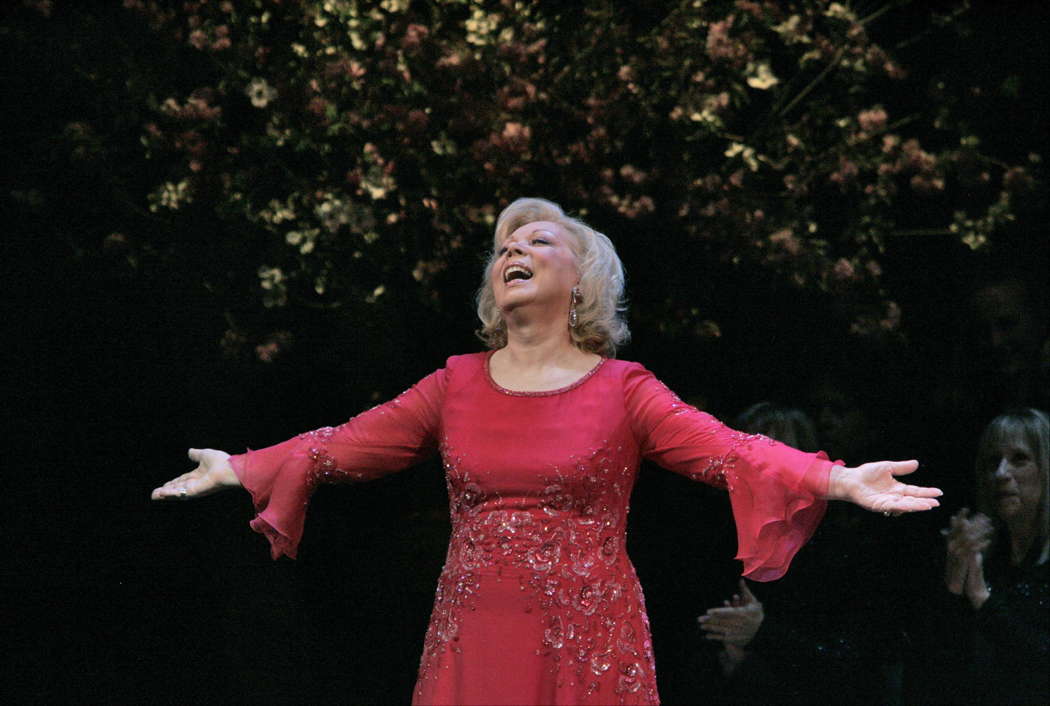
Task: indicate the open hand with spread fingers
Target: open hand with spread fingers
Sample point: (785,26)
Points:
(212,474)
(874,486)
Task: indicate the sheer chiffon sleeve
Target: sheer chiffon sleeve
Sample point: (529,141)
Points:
(777,492)
(384,439)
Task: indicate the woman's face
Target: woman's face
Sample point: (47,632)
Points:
(1017,485)
(535,264)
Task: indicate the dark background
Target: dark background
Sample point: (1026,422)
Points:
(113,376)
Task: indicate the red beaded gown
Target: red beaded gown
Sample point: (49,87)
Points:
(538,602)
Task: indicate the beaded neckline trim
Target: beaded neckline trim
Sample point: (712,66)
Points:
(539,393)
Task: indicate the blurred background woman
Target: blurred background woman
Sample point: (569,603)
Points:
(806,639)
(997,559)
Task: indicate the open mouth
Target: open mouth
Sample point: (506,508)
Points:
(516,272)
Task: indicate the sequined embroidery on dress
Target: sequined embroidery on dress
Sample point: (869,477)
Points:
(718,470)
(539,393)
(564,548)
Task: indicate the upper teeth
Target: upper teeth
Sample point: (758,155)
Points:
(510,271)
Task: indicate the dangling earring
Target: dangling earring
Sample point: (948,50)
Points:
(575,298)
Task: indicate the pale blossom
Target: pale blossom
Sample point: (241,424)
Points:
(894,70)
(267,352)
(846,172)
(843,270)
(790,31)
(260,92)
(170,195)
(719,45)
(760,76)
(480,26)
(839,11)
(872,120)
(414,36)
(632,174)
(198,39)
(926,183)
(786,240)
(745,153)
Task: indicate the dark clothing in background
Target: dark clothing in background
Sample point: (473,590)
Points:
(1012,636)
(999,654)
(833,628)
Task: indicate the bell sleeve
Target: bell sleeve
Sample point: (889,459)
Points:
(777,493)
(384,439)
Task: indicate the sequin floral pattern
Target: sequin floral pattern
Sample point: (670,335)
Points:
(563,546)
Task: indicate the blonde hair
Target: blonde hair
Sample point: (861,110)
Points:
(1032,428)
(601,327)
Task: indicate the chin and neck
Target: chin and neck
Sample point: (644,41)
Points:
(537,331)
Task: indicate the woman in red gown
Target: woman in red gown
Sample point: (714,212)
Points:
(541,438)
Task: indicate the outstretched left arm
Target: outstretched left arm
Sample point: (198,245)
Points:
(874,486)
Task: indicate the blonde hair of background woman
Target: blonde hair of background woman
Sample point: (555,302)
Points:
(601,327)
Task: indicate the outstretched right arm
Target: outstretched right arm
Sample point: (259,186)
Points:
(281,478)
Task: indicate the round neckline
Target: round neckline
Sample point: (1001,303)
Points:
(539,393)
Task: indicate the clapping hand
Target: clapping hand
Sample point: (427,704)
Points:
(736,622)
(967,537)
(212,474)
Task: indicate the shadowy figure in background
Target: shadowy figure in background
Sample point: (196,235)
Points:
(786,424)
(995,646)
(805,642)
(1011,340)
(1001,361)
(737,621)
(844,416)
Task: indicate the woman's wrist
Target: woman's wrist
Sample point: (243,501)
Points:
(979,596)
(978,599)
(226,475)
(735,653)
(730,658)
(840,484)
